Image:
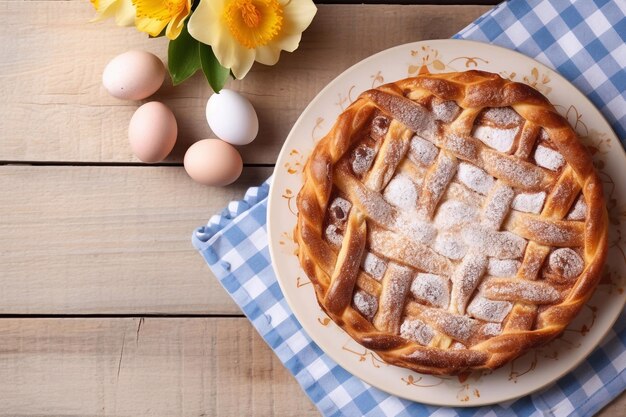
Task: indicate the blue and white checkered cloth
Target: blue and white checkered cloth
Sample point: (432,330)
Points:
(584,41)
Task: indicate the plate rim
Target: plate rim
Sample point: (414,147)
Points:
(273,197)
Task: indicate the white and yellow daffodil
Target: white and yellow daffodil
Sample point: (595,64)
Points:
(243,31)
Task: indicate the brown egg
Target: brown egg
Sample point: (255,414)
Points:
(213,162)
(133,75)
(152,132)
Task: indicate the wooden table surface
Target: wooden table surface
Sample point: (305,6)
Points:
(105,307)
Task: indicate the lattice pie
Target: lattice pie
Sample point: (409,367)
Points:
(451,222)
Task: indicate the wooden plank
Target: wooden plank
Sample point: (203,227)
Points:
(149,367)
(136,367)
(55,109)
(616,408)
(99,240)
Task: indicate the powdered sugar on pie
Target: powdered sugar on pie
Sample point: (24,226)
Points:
(422,151)
(497,138)
(529,203)
(442,225)
(373,265)
(548,158)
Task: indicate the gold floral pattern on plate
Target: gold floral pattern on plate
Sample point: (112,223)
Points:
(363,354)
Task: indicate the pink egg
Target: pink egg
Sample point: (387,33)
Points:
(152,132)
(213,162)
(133,75)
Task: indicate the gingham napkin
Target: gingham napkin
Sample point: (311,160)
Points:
(584,41)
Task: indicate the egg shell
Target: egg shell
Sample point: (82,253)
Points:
(152,132)
(232,118)
(133,75)
(213,162)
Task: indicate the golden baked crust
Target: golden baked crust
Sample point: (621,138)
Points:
(450,222)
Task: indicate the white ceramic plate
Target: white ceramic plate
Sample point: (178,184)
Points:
(539,367)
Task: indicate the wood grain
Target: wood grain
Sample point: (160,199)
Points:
(148,367)
(102,240)
(55,109)
(142,367)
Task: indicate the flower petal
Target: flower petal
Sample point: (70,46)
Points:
(233,55)
(125,13)
(154,15)
(175,26)
(243,64)
(103,6)
(268,54)
(297,16)
(151,26)
(288,43)
(173,29)
(204,24)
(122,10)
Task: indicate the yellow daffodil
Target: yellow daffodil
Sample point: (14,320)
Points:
(242,31)
(154,15)
(123,10)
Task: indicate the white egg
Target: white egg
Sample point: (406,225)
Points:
(232,118)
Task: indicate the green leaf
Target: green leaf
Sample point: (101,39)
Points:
(214,72)
(183,57)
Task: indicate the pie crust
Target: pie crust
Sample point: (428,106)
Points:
(450,222)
